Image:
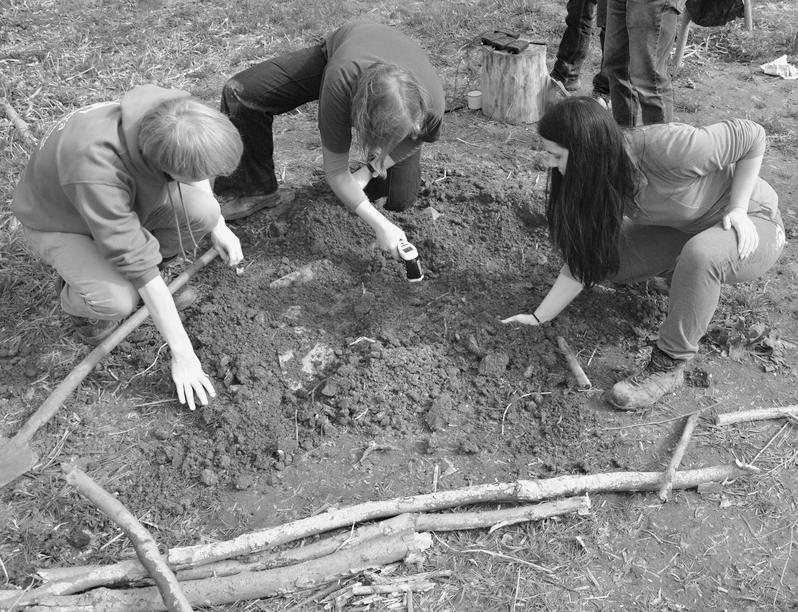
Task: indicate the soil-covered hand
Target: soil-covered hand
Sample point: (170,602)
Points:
(524,319)
(747,236)
(227,244)
(190,380)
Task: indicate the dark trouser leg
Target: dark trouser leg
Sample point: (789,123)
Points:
(252,98)
(616,65)
(652,28)
(601,83)
(575,40)
(401,185)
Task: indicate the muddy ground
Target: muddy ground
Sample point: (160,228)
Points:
(308,375)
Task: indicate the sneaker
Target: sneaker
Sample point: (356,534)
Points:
(602,98)
(238,208)
(92,331)
(662,375)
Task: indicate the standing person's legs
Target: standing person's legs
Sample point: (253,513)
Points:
(93,288)
(601,84)
(401,185)
(616,65)
(652,29)
(251,99)
(574,43)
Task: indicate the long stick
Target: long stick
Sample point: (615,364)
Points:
(143,542)
(573,364)
(17,122)
(756,414)
(667,480)
(80,371)
(16,456)
(520,491)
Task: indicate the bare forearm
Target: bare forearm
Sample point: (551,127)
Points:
(161,304)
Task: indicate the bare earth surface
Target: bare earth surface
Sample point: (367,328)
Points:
(308,375)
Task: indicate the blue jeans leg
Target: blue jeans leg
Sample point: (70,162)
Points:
(575,40)
(252,98)
(700,263)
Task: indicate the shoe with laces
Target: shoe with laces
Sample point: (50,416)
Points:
(238,208)
(602,98)
(92,331)
(662,375)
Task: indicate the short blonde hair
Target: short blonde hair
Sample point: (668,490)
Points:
(388,105)
(185,137)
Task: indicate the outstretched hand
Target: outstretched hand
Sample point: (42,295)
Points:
(190,380)
(747,236)
(524,319)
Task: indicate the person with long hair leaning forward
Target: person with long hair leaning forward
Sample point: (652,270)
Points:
(672,200)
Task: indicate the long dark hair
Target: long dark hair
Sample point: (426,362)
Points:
(585,206)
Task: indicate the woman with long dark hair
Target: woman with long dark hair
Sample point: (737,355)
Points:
(671,200)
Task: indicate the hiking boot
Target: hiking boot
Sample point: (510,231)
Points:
(238,208)
(92,331)
(662,375)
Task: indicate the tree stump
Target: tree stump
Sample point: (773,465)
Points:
(514,85)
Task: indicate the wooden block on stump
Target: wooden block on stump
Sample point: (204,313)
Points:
(514,85)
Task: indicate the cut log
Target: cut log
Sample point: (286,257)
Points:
(514,85)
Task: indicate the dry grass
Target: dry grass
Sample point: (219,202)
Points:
(58,55)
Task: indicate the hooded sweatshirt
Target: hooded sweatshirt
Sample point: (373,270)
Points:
(87,176)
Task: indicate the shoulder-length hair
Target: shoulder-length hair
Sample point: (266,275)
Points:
(184,137)
(388,105)
(585,205)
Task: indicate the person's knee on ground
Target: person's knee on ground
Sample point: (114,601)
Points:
(105,303)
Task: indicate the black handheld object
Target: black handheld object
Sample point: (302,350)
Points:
(409,255)
(504,41)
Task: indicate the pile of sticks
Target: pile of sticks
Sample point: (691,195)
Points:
(250,566)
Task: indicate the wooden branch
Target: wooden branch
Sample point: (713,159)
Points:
(17,122)
(519,491)
(756,414)
(143,542)
(376,552)
(667,480)
(582,381)
(65,581)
